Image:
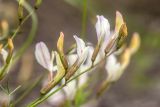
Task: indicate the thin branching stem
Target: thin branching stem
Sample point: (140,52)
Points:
(32,32)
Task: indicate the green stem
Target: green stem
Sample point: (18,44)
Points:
(32,32)
(35,83)
(84,19)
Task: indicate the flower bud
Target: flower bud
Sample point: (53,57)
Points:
(135,43)
(71,71)
(123,30)
(5,28)
(37,4)
(95,53)
(58,77)
(1,46)
(60,45)
(119,21)
(125,59)
(109,46)
(122,36)
(20,10)
(10,45)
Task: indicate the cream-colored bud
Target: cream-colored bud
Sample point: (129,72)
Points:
(1,46)
(60,46)
(119,21)
(38,3)
(4,25)
(125,58)
(135,43)
(122,36)
(123,30)
(60,42)
(10,45)
(20,10)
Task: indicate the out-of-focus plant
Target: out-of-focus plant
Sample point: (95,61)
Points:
(68,72)
(9,55)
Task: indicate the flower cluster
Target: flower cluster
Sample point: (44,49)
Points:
(6,54)
(110,45)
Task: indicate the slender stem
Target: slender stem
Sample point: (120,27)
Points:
(84,19)
(35,83)
(32,32)
(19,27)
(43,98)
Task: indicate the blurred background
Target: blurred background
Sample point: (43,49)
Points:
(140,84)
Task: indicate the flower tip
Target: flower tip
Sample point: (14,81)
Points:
(98,16)
(118,13)
(125,57)
(10,44)
(135,43)
(1,46)
(62,34)
(75,36)
(119,21)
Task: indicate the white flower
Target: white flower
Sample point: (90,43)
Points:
(103,34)
(116,68)
(71,58)
(102,27)
(70,89)
(4,54)
(43,56)
(82,49)
(57,98)
(113,68)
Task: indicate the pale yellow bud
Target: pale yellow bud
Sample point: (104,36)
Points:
(20,10)
(125,58)
(4,25)
(60,42)
(1,46)
(10,44)
(119,21)
(38,3)
(135,43)
(60,46)
(122,36)
(5,28)
(123,30)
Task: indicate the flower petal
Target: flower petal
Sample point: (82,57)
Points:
(72,59)
(112,67)
(80,45)
(4,54)
(89,56)
(102,27)
(70,90)
(58,98)
(83,57)
(43,56)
